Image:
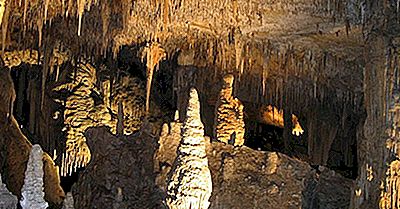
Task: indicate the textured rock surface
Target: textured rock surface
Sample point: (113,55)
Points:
(15,150)
(120,174)
(82,111)
(190,185)
(7,200)
(32,191)
(229,123)
(245,178)
(169,140)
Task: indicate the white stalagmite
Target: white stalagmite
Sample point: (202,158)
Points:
(32,191)
(7,200)
(190,185)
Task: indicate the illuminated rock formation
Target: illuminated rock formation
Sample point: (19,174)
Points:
(68,201)
(272,116)
(7,199)
(32,191)
(190,185)
(229,123)
(81,112)
(76,117)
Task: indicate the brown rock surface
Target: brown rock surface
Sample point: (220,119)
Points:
(120,174)
(14,155)
(245,178)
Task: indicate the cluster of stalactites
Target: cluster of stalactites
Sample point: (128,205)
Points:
(190,185)
(76,114)
(32,190)
(125,99)
(229,120)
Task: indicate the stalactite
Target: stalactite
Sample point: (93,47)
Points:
(80,9)
(2,9)
(190,184)
(39,25)
(46,7)
(32,191)
(154,54)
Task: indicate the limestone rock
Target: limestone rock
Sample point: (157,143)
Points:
(7,199)
(190,185)
(229,123)
(32,191)
(82,112)
(120,174)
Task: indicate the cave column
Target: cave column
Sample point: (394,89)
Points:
(372,137)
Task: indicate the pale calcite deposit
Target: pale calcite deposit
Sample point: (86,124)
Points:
(32,191)
(190,185)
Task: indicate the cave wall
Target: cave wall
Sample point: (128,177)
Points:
(15,149)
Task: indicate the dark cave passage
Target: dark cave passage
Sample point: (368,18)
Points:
(264,137)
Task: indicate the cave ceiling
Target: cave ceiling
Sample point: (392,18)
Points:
(307,40)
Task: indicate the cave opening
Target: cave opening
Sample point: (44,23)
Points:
(342,154)
(264,137)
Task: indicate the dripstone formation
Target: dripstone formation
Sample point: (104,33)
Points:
(32,191)
(229,123)
(190,185)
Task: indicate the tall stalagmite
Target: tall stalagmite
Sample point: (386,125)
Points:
(32,191)
(190,185)
(229,123)
(7,199)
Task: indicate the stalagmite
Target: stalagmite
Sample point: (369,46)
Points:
(32,191)
(229,122)
(190,185)
(130,92)
(7,199)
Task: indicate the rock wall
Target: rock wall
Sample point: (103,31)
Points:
(121,172)
(245,178)
(15,149)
